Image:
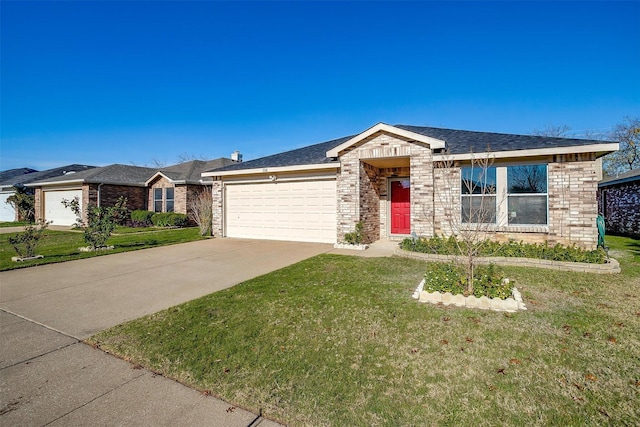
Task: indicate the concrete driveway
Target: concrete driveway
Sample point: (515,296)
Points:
(48,376)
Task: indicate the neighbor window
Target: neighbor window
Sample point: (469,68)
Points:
(163,199)
(478,186)
(168,199)
(157,199)
(527,194)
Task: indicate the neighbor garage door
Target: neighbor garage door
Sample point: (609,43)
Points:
(6,211)
(55,211)
(303,211)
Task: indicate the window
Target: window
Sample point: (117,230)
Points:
(527,194)
(163,204)
(157,199)
(168,199)
(505,195)
(478,186)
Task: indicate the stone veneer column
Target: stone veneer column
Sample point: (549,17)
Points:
(348,187)
(422,197)
(216,193)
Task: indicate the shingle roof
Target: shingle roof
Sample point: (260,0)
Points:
(191,172)
(310,155)
(457,141)
(12,173)
(632,175)
(112,174)
(119,174)
(60,172)
(466,141)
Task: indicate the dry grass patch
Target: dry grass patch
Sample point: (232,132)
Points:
(337,340)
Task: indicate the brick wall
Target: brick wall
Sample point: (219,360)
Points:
(572,202)
(38,204)
(109,195)
(620,206)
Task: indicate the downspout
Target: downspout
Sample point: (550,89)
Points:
(99,185)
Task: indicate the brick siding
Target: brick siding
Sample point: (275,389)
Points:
(620,206)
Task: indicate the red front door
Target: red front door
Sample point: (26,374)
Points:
(400,207)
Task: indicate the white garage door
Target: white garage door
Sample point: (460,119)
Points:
(55,211)
(6,211)
(303,211)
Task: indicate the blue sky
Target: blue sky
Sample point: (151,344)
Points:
(138,82)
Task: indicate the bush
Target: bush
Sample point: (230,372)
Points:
(356,237)
(169,219)
(487,280)
(25,243)
(141,218)
(559,252)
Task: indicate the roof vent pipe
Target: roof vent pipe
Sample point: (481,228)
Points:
(236,156)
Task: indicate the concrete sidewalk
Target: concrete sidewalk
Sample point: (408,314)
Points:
(49,377)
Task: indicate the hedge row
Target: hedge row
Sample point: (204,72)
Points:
(141,218)
(450,246)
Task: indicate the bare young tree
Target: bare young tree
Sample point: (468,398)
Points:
(627,133)
(472,224)
(201,211)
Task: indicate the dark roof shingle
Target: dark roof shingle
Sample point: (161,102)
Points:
(457,141)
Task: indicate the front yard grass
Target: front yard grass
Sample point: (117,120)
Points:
(337,340)
(60,246)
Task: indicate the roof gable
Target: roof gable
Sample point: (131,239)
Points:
(385,128)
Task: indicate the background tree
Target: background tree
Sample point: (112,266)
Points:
(627,133)
(556,131)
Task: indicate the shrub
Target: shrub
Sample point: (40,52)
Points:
(141,218)
(444,278)
(25,243)
(559,252)
(201,212)
(101,220)
(169,219)
(356,237)
(487,280)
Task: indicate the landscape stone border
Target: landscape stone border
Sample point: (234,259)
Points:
(350,246)
(612,266)
(510,305)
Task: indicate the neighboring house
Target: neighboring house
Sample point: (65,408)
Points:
(393,179)
(103,186)
(172,188)
(15,178)
(619,203)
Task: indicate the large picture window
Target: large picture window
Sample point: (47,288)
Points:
(505,195)
(478,195)
(527,194)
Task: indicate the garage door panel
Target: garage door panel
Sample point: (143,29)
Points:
(7,213)
(297,211)
(55,211)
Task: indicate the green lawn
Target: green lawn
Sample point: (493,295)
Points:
(12,224)
(60,246)
(337,340)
